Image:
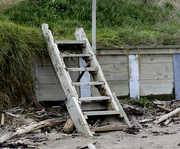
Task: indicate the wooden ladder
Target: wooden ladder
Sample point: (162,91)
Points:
(74,103)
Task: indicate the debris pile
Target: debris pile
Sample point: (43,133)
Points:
(29,128)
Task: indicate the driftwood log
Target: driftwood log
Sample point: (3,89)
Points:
(69,126)
(166,116)
(30,128)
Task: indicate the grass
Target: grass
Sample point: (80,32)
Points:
(18,47)
(119,22)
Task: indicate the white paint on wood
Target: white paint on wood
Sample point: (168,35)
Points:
(77,116)
(85,91)
(134,76)
(80,35)
(58,63)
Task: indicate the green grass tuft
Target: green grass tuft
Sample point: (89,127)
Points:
(18,46)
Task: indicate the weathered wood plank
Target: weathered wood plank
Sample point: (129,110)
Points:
(58,63)
(70,42)
(108,128)
(78,117)
(154,59)
(76,55)
(95,113)
(112,59)
(121,88)
(161,71)
(156,87)
(136,51)
(83,99)
(82,69)
(176,59)
(86,83)
(134,76)
(51,92)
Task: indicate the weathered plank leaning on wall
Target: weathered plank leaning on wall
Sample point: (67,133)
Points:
(156,73)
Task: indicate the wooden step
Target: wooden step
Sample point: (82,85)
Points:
(98,98)
(96,113)
(77,55)
(83,69)
(108,128)
(87,83)
(77,42)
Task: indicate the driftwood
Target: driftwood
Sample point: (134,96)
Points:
(89,145)
(27,129)
(2,119)
(164,108)
(68,127)
(168,121)
(166,116)
(145,120)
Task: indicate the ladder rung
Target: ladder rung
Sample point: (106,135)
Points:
(76,55)
(70,42)
(87,83)
(83,69)
(95,113)
(94,98)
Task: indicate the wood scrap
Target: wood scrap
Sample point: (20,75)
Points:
(166,116)
(86,146)
(176,119)
(91,146)
(69,126)
(167,121)
(108,128)
(13,115)
(28,129)
(146,120)
(164,108)
(2,119)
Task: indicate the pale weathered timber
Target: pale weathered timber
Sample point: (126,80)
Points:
(108,128)
(83,69)
(93,113)
(139,50)
(87,83)
(166,116)
(32,127)
(58,63)
(69,126)
(76,55)
(125,118)
(168,121)
(80,35)
(77,116)
(2,119)
(69,42)
(98,98)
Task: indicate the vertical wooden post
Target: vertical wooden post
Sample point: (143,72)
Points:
(134,76)
(94,26)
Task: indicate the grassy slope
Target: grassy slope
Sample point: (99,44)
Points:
(119,22)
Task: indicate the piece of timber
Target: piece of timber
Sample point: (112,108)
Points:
(76,55)
(87,99)
(95,113)
(125,118)
(87,83)
(82,69)
(109,128)
(70,42)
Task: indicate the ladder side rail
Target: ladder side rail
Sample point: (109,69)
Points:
(80,35)
(58,63)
